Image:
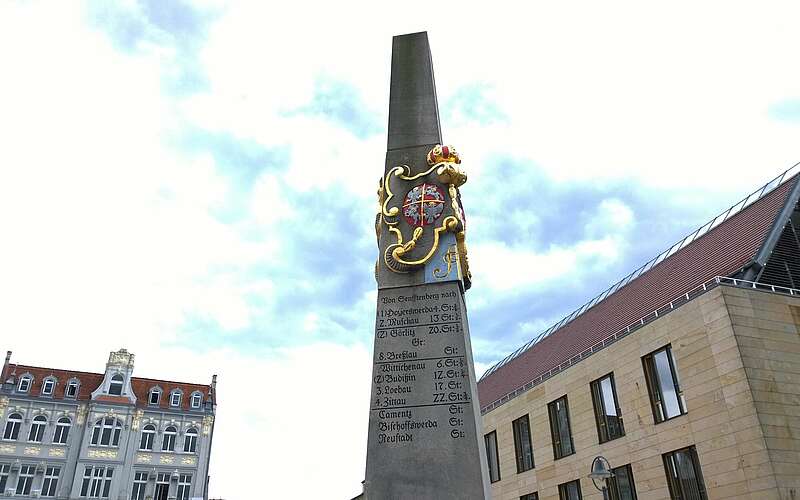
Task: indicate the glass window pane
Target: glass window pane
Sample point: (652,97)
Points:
(667,385)
(491,456)
(609,405)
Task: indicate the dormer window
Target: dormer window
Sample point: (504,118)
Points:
(24,383)
(175,398)
(155,397)
(115,387)
(48,386)
(197,398)
(72,389)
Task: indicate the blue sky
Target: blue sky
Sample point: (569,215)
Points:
(195,181)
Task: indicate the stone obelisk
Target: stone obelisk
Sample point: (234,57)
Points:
(425,438)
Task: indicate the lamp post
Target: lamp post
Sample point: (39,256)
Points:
(601,473)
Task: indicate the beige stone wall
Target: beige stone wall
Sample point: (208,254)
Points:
(721,422)
(766,329)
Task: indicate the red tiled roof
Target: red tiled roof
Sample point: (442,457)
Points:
(91,381)
(722,251)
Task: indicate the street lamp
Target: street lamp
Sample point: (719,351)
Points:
(601,473)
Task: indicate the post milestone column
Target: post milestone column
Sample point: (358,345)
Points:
(424,427)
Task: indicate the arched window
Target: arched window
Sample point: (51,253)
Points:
(190,441)
(37,429)
(13,424)
(115,386)
(72,389)
(197,399)
(24,383)
(106,432)
(168,444)
(48,386)
(175,398)
(62,430)
(155,396)
(148,435)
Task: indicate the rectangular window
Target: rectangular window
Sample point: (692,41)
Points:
(570,490)
(620,487)
(5,469)
(606,409)
(96,482)
(491,456)
(139,485)
(24,384)
(155,396)
(175,399)
(522,443)
(162,486)
(530,496)
(184,484)
(196,400)
(72,389)
(25,479)
(683,475)
(560,428)
(47,387)
(50,484)
(666,397)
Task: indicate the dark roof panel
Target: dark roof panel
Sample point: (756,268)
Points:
(722,251)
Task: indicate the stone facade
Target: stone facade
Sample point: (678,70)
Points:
(105,429)
(737,356)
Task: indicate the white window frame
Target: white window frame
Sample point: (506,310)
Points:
(172,396)
(64,427)
(197,396)
(184,485)
(38,426)
(99,429)
(139,485)
(165,441)
(25,479)
(52,382)
(117,380)
(156,391)
(5,471)
(12,423)
(162,479)
(149,434)
(28,380)
(190,437)
(97,482)
(72,383)
(50,483)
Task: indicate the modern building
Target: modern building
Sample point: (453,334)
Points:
(684,375)
(73,434)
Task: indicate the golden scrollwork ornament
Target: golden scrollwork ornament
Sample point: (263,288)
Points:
(429,220)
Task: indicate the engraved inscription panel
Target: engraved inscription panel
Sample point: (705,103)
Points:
(422,412)
(421,381)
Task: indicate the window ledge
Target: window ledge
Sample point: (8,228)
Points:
(672,418)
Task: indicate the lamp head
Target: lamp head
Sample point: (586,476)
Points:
(601,471)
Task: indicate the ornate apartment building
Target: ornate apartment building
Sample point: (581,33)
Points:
(684,375)
(73,435)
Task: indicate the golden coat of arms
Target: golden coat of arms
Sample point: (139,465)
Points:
(423,218)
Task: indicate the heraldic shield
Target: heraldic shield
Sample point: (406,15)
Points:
(421,223)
